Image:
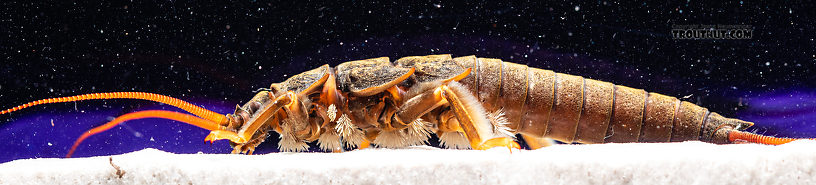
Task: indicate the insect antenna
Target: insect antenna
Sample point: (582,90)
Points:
(196,110)
(177,116)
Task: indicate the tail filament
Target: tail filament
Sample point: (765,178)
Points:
(756,138)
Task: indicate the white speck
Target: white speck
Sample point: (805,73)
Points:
(577,8)
(767,63)
(438,5)
(49,144)
(569,34)
(790,10)
(260,67)
(151,139)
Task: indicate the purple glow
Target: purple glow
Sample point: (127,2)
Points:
(30,134)
(784,113)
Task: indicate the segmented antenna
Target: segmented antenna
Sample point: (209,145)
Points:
(196,110)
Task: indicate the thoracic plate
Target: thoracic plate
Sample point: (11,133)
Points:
(431,67)
(370,75)
(303,81)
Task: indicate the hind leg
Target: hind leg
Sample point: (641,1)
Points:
(469,113)
(536,143)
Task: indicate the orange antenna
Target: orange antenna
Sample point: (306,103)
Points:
(756,138)
(198,111)
(177,116)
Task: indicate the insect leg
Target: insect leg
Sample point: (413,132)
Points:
(469,114)
(416,107)
(423,103)
(249,147)
(535,143)
(471,117)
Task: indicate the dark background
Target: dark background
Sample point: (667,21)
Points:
(215,54)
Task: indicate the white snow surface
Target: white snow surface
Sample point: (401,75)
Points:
(638,163)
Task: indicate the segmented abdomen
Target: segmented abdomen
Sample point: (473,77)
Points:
(571,108)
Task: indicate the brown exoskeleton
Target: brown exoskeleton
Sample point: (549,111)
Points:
(468,102)
(368,101)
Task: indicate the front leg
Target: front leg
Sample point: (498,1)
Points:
(470,115)
(248,147)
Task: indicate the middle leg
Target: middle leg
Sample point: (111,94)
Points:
(469,114)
